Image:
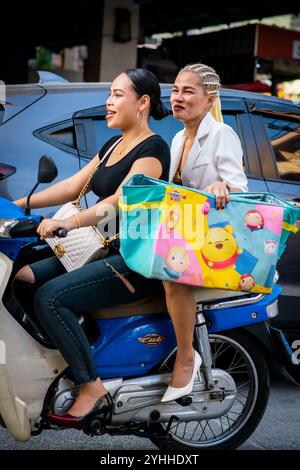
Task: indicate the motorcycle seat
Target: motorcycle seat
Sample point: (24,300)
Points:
(156,303)
(205,294)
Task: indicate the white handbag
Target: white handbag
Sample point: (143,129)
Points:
(84,244)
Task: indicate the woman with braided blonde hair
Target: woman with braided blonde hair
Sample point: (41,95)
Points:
(206,155)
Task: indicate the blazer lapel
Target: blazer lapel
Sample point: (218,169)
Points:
(203,130)
(195,159)
(192,158)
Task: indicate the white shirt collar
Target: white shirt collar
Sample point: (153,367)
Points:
(205,125)
(203,128)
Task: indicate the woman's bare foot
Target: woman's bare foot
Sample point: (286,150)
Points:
(183,369)
(89,394)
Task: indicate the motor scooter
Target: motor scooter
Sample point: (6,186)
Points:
(134,347)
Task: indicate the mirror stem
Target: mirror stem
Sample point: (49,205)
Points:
(27,208)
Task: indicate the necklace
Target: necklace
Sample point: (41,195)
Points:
(120,150)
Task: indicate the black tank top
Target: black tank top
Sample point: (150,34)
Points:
(106,180)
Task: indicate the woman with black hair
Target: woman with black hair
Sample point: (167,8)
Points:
(63,296)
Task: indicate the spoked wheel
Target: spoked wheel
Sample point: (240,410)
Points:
(243,359)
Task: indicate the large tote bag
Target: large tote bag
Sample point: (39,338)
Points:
(175,233)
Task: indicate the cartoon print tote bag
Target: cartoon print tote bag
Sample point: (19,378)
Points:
(175,233)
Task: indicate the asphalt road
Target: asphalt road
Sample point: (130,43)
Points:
(278,430)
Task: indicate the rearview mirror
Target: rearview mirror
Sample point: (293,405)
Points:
(47,173)
(47,170)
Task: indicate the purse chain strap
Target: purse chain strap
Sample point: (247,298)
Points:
(106,241)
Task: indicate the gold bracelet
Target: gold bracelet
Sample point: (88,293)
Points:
(78,221)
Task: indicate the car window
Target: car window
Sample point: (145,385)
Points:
(166,127)
(61,135)
(6,170)
(284,135)
(97,133)
(92,131)
(231,120)
(18,98)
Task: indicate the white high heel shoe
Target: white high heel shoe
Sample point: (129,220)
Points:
(173,393)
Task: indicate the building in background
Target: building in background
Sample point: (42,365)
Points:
(94,40)
(255,57)
(87,40)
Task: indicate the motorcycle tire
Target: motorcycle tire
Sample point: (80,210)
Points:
(259,388)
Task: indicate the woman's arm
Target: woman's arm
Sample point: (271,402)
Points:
(228,156)
(62,192)
(106,208)
(229,159)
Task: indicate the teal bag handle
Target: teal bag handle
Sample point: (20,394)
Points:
(138,189)
(140,181)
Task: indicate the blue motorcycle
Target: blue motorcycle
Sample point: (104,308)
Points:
(134,348)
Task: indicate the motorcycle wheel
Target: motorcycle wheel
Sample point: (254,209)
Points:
(236,353)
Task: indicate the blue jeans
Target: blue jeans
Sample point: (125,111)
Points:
(63,296)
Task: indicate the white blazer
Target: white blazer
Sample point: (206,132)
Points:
(216,155)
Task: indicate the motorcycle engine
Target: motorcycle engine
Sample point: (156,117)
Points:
(63,396)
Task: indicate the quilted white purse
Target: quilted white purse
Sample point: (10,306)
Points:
(84,244)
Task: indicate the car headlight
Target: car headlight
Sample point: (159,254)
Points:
(5,226)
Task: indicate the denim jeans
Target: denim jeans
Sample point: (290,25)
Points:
(63,296)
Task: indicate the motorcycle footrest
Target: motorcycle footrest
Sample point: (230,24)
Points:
(184,401)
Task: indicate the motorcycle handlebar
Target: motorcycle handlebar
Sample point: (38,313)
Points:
(27,228)
(60,232)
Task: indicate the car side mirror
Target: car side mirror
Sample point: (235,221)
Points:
(47,170)
(6,171)
(46,174)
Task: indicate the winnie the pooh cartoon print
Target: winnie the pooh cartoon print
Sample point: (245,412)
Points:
(220,249)
(254,220)
(176,262)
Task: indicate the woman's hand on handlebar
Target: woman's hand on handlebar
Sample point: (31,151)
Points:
(48,226)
